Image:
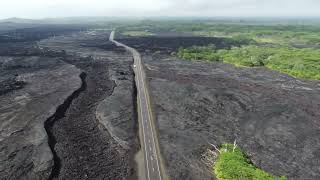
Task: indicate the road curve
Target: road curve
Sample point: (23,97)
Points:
(149,138)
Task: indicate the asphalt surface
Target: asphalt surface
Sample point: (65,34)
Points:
(149,138)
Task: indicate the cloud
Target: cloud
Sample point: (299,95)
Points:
(62,8)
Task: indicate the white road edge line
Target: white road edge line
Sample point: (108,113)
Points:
(149,118)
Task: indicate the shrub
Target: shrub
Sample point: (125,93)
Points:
(232,164)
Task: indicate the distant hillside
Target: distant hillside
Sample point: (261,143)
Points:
(8,26)
(20,20)
(17,23)
(68,20)
(21,23)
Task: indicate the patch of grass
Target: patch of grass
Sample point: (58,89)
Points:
(232,164)
(137,33)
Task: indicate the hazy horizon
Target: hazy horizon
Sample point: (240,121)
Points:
(39,9)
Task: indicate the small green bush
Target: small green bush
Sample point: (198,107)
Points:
(234,165)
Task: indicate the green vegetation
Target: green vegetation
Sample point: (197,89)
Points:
(208,53)
(232,164)
(292,33)
(302,63)
(271,43)
(280,34)
(137,33)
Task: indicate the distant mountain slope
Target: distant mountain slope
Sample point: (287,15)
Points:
(20,20)
(18,23)
(8,26)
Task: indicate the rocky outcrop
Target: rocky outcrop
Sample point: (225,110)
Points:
(47,82)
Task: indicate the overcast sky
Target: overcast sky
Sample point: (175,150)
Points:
(69,8)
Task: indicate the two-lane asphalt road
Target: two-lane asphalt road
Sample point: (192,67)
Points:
(149,138)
